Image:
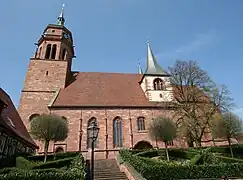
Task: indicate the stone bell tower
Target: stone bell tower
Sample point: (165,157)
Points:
(49,70)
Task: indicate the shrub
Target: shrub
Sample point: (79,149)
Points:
(75,172)
(53,156)
(151,153)
(45,174)
(23,163)
(154,170)
(182,153)
(55,164)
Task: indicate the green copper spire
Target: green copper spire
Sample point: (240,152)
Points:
(60,19)
(140,71)
(153,68)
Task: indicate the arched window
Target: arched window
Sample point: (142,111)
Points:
(48,51)
(141,123)
(89,140)
(53,52)
(117,132)
(64,53)
(158,84)
(33,116)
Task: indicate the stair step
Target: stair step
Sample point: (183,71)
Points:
(108,170)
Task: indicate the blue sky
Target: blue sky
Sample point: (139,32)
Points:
(111,35)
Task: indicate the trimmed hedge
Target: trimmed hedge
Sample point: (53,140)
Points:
(151,153)
(44,174)
(75,172)
(53,156)
(153,170)
(55,164)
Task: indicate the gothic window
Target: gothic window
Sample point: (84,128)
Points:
(48,51)
(64,51)
(141,123)
(53,52)
(117,132)
(3,138)
(89,140)
(33,116)
(158,84)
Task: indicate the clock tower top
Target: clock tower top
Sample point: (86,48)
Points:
(56,42)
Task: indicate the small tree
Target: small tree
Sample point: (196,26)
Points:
(48,128)
(163,129)
(228,126)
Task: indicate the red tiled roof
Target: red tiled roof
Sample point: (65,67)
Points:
(10,112)
(104,89)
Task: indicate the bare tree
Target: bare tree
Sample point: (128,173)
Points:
(199,99)
(48,128)
(163,129)
(228,126)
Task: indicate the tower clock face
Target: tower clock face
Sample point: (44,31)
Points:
(65,35)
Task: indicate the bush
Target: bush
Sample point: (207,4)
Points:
(225,150)
(53,156)
(23,163)
(75,171)
(151,153)
(154,170)
(45,174)
(182,153)
(55,164)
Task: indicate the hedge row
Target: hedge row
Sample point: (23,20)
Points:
(178,153)
(53,156)
(75,172)
(153,170)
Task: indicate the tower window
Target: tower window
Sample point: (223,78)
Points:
(53,31)
(141,124)
(160,95)
(48,51)
(158,84)
(46,73)
(64,53)
(53,52)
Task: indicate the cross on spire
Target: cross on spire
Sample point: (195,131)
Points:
(60,19)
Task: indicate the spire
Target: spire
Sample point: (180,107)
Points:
(152,65)
(140,71)
(60,19)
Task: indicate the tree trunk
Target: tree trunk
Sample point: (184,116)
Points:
(46,149)
(198,143)
(166,151)
(231,152)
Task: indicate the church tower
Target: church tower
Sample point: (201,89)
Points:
(155,81)
(49,70)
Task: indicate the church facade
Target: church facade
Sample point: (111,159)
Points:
(123,105)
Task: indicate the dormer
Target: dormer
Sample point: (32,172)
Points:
(155,81)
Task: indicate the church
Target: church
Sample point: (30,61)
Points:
(122,104)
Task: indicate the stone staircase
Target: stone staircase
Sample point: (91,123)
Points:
(107,169)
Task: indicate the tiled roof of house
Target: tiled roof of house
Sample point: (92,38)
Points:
(11,119)
(104,89)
